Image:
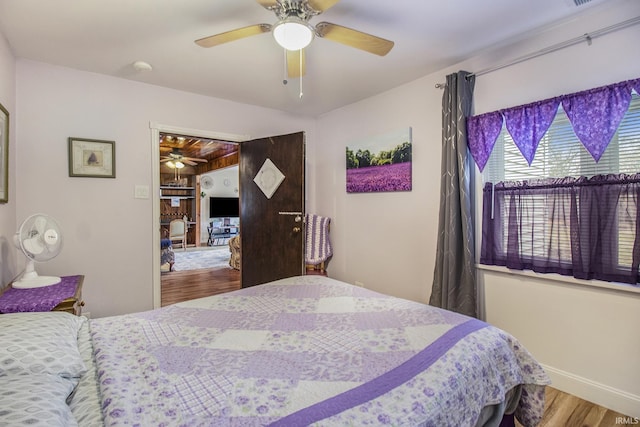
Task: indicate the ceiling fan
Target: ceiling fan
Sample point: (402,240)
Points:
(294,32)
(176,157)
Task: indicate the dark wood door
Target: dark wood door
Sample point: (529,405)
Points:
(272,228)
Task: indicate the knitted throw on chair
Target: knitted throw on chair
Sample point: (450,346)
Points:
(317,243)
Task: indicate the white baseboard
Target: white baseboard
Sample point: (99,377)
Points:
(617,400)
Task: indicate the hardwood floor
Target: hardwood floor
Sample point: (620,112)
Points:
(565,410)
(178,286)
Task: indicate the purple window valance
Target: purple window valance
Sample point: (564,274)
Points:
(528,124)
(594,114)
(482,132)
(635,84)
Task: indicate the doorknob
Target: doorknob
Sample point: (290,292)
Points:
(296,229)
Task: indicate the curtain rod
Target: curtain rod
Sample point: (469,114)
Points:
(588,37)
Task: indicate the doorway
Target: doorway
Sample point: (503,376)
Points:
(185,193)
(277,211)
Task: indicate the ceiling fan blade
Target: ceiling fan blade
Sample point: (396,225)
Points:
(165,159)
(322,5)
(233,35)
(267,4)
(354,38)
(294,67)
(194,159)
(187,162)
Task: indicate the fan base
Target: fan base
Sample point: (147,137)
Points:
(35,282)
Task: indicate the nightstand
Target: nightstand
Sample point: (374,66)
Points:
(63,296)
(74,303)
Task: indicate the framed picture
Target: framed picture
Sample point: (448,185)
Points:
(380,163)
(4,155)
(92,158)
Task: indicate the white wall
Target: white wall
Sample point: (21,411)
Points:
(384,240)
(587,338)
(108,233)
(8,224)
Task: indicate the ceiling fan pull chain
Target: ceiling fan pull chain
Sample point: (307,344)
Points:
(301,53)
(284,73)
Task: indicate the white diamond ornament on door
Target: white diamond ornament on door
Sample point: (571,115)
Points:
(268,178)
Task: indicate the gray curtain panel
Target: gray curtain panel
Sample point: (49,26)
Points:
(454,280)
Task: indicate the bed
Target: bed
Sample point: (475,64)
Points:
(306,350)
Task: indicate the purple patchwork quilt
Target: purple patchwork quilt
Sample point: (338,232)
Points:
(308,350)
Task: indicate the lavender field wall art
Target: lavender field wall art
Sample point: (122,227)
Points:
(380,163)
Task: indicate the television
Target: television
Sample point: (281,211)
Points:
(224,207)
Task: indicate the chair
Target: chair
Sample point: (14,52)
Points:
(234,248)
(167,258)
(210,234)
(318,248)
(178,232)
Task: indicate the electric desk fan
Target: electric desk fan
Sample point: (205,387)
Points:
(40,240)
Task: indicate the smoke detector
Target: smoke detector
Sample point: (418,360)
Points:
(145,66)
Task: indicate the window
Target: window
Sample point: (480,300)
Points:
(560,153)
(566,213)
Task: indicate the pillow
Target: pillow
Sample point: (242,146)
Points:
(36,400)
(85,401)
(40,343)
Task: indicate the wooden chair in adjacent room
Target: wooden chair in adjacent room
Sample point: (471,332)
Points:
(178,232)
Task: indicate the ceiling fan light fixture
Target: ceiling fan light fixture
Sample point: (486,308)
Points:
(179,165)
(293,33)
(171,164)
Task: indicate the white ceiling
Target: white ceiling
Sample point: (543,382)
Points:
(107,37)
